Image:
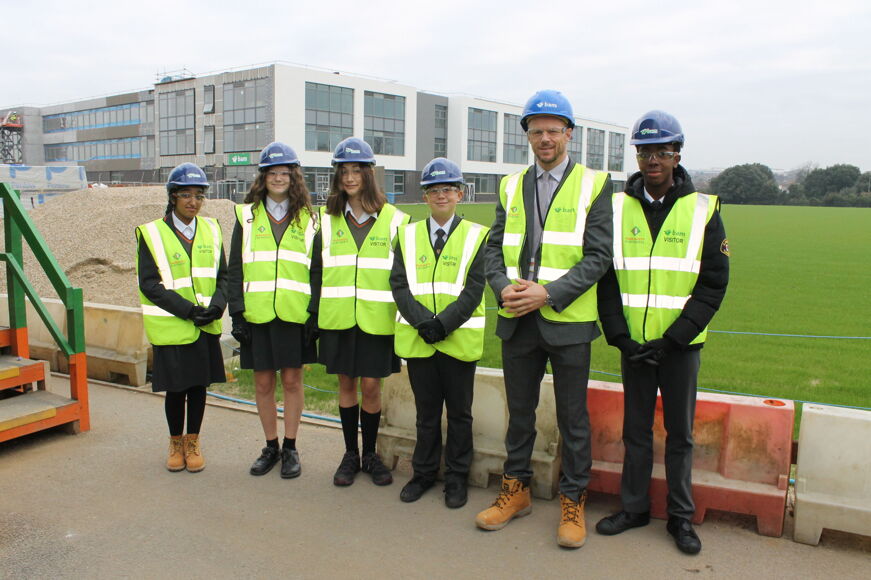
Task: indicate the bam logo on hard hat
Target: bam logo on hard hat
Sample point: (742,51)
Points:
(438,172)
(649,131)
(193,175)
(542,104)
(349,150)
(271,155)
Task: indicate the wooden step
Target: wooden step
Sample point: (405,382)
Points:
(16,371)
(5,336)
(29,408)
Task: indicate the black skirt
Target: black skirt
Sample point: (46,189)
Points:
(178,367)
(354,353)
(277,345)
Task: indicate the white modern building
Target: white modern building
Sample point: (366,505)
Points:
(221,121)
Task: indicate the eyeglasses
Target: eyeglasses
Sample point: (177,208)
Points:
(441,190)
(186,196)
(552,132)
(276,174)
(661,155)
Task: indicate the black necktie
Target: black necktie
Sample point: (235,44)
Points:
(440,241)
(656,205)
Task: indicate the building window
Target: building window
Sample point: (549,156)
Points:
(516,146)
(482,135)
(483,182)
(384,123)
(440,143)
(615,151)
(128,148)
(209,139)
(595,148)
(329,116)
(116,116)
(176,113)
(576,145)
(317,180)
(394,182)
(245,126)
(208,99)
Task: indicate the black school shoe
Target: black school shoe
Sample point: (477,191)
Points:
(456,493)
(684,536)
(290,466)
(622,521)
(267,460)
(415,488)
(371,463)
(348,468)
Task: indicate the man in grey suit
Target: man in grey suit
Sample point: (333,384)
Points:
(549,245)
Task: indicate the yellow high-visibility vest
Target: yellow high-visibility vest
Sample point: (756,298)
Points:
(562,240)
(656,277)
(276,277)
(194,278)
(436,284)
(356,285)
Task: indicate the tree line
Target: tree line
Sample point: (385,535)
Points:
(840,185)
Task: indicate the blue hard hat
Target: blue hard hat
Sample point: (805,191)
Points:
(656,127)
(441,170)
(185,175)
(548,102)
(353,150)
(278,153)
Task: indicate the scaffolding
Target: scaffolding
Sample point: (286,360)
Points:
(11,129)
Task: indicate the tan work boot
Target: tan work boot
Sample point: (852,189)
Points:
(193,455)
(572,531)
(175,461)
(513,501)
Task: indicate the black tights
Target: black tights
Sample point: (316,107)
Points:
(174,407)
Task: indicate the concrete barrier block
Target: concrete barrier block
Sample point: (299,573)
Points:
(490,412)
(741,459)
(115,344)
(833,473)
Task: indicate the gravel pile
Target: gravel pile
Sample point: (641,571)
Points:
(91,234)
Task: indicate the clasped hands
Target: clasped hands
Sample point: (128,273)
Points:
(523,297)
(201,316)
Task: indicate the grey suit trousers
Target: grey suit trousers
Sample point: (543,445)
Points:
(524,358)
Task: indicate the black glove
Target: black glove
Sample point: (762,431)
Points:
(653,351)
(432,330)
(199,315)
(204,316)
(241,329)
(627,346)
(311,328)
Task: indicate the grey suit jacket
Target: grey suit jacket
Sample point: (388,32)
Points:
(580,278)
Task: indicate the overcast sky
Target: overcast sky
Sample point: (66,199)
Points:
(784,83)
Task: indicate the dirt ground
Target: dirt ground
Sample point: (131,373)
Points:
(101,505)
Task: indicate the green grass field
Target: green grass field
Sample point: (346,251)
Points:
(794,270)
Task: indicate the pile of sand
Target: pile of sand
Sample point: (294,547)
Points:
(91,234)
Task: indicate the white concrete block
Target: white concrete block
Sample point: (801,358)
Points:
(833,474)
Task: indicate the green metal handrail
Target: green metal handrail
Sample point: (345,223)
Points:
(17,224)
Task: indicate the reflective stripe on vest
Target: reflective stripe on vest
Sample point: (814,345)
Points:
(656,277)
(193,278)
(562,238)
(275,276)
(356,284)
(436,284)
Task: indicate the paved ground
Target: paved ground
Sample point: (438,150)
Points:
(101,505)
